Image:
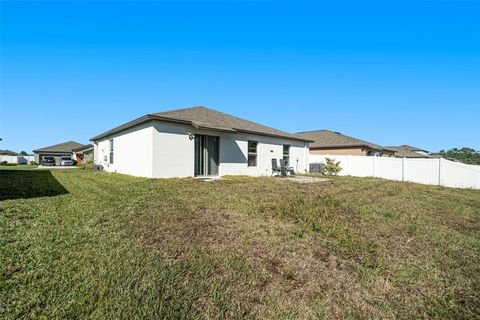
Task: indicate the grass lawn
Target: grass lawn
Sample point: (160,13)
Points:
(19,167)
(78,245)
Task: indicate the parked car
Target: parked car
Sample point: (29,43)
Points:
(48,161)
(66,161)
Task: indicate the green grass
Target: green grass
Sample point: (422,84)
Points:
(18,167)
(78,245)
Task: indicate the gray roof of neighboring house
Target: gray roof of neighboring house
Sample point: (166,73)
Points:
(84,147)
(407,147)
(406,152)
(207,119)
(331,139)
(65,147)
(9,153)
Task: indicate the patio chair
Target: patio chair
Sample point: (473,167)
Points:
(286,169)
(276,169)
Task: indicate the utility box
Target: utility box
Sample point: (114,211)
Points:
(316,167)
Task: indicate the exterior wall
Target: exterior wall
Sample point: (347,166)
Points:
(349,152)
(133,151)
(83,157)
(165,150)
(421,152)
(234,154)
(346,151)
(88,156)
(174,152)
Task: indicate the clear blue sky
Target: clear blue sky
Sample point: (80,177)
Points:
(387,72)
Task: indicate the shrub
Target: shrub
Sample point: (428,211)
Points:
(5,163)
(331,167)
(87,165)
(33,163)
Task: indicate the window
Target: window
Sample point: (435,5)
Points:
(111,150)
(286,154)
(252,153)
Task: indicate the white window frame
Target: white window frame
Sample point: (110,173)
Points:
(253,154)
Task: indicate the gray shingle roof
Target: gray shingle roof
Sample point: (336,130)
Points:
(407,147)
(206,118)
(65,147)
(83,147)
(406,152)
(8,153)
(332,139)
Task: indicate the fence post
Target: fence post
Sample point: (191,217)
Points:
(403,169)
(349,163)
(373,164)
(439,171)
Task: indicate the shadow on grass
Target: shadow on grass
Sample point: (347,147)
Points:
(22,184)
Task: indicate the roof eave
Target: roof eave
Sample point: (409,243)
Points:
(50,151)
(124,126)
(345,146)
(274,135)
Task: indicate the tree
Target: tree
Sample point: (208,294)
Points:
(24,153)
(331,167)
(465,155)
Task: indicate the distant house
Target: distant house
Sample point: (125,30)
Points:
(14,157)
(9,153)
(83,153)
(57,151)
(406,151)
(198,142)
(328,142)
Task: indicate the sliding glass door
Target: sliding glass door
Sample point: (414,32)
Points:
(206,155)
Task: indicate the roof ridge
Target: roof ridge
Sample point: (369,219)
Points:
(176,110)
(310,131)
(256,123)
(223,113)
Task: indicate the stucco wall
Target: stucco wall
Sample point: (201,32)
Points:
(133,151)
(165,150)
(234,154)
(346,151)
(173,150)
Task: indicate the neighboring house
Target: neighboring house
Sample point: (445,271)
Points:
(9,153)
(57,151)
(406,151)
(196,141)
(83,153)
(328,142)
(14,157)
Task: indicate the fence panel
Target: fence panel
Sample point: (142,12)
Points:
(426,171)
(17,159)
(389,168)
(9,159)
(459,175)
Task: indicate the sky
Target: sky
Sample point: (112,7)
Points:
(387,72)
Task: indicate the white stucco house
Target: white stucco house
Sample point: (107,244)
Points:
(196,142)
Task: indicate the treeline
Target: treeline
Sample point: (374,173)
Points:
(465,155)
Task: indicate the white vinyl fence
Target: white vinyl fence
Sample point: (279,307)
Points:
(17,159)
(426,171)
